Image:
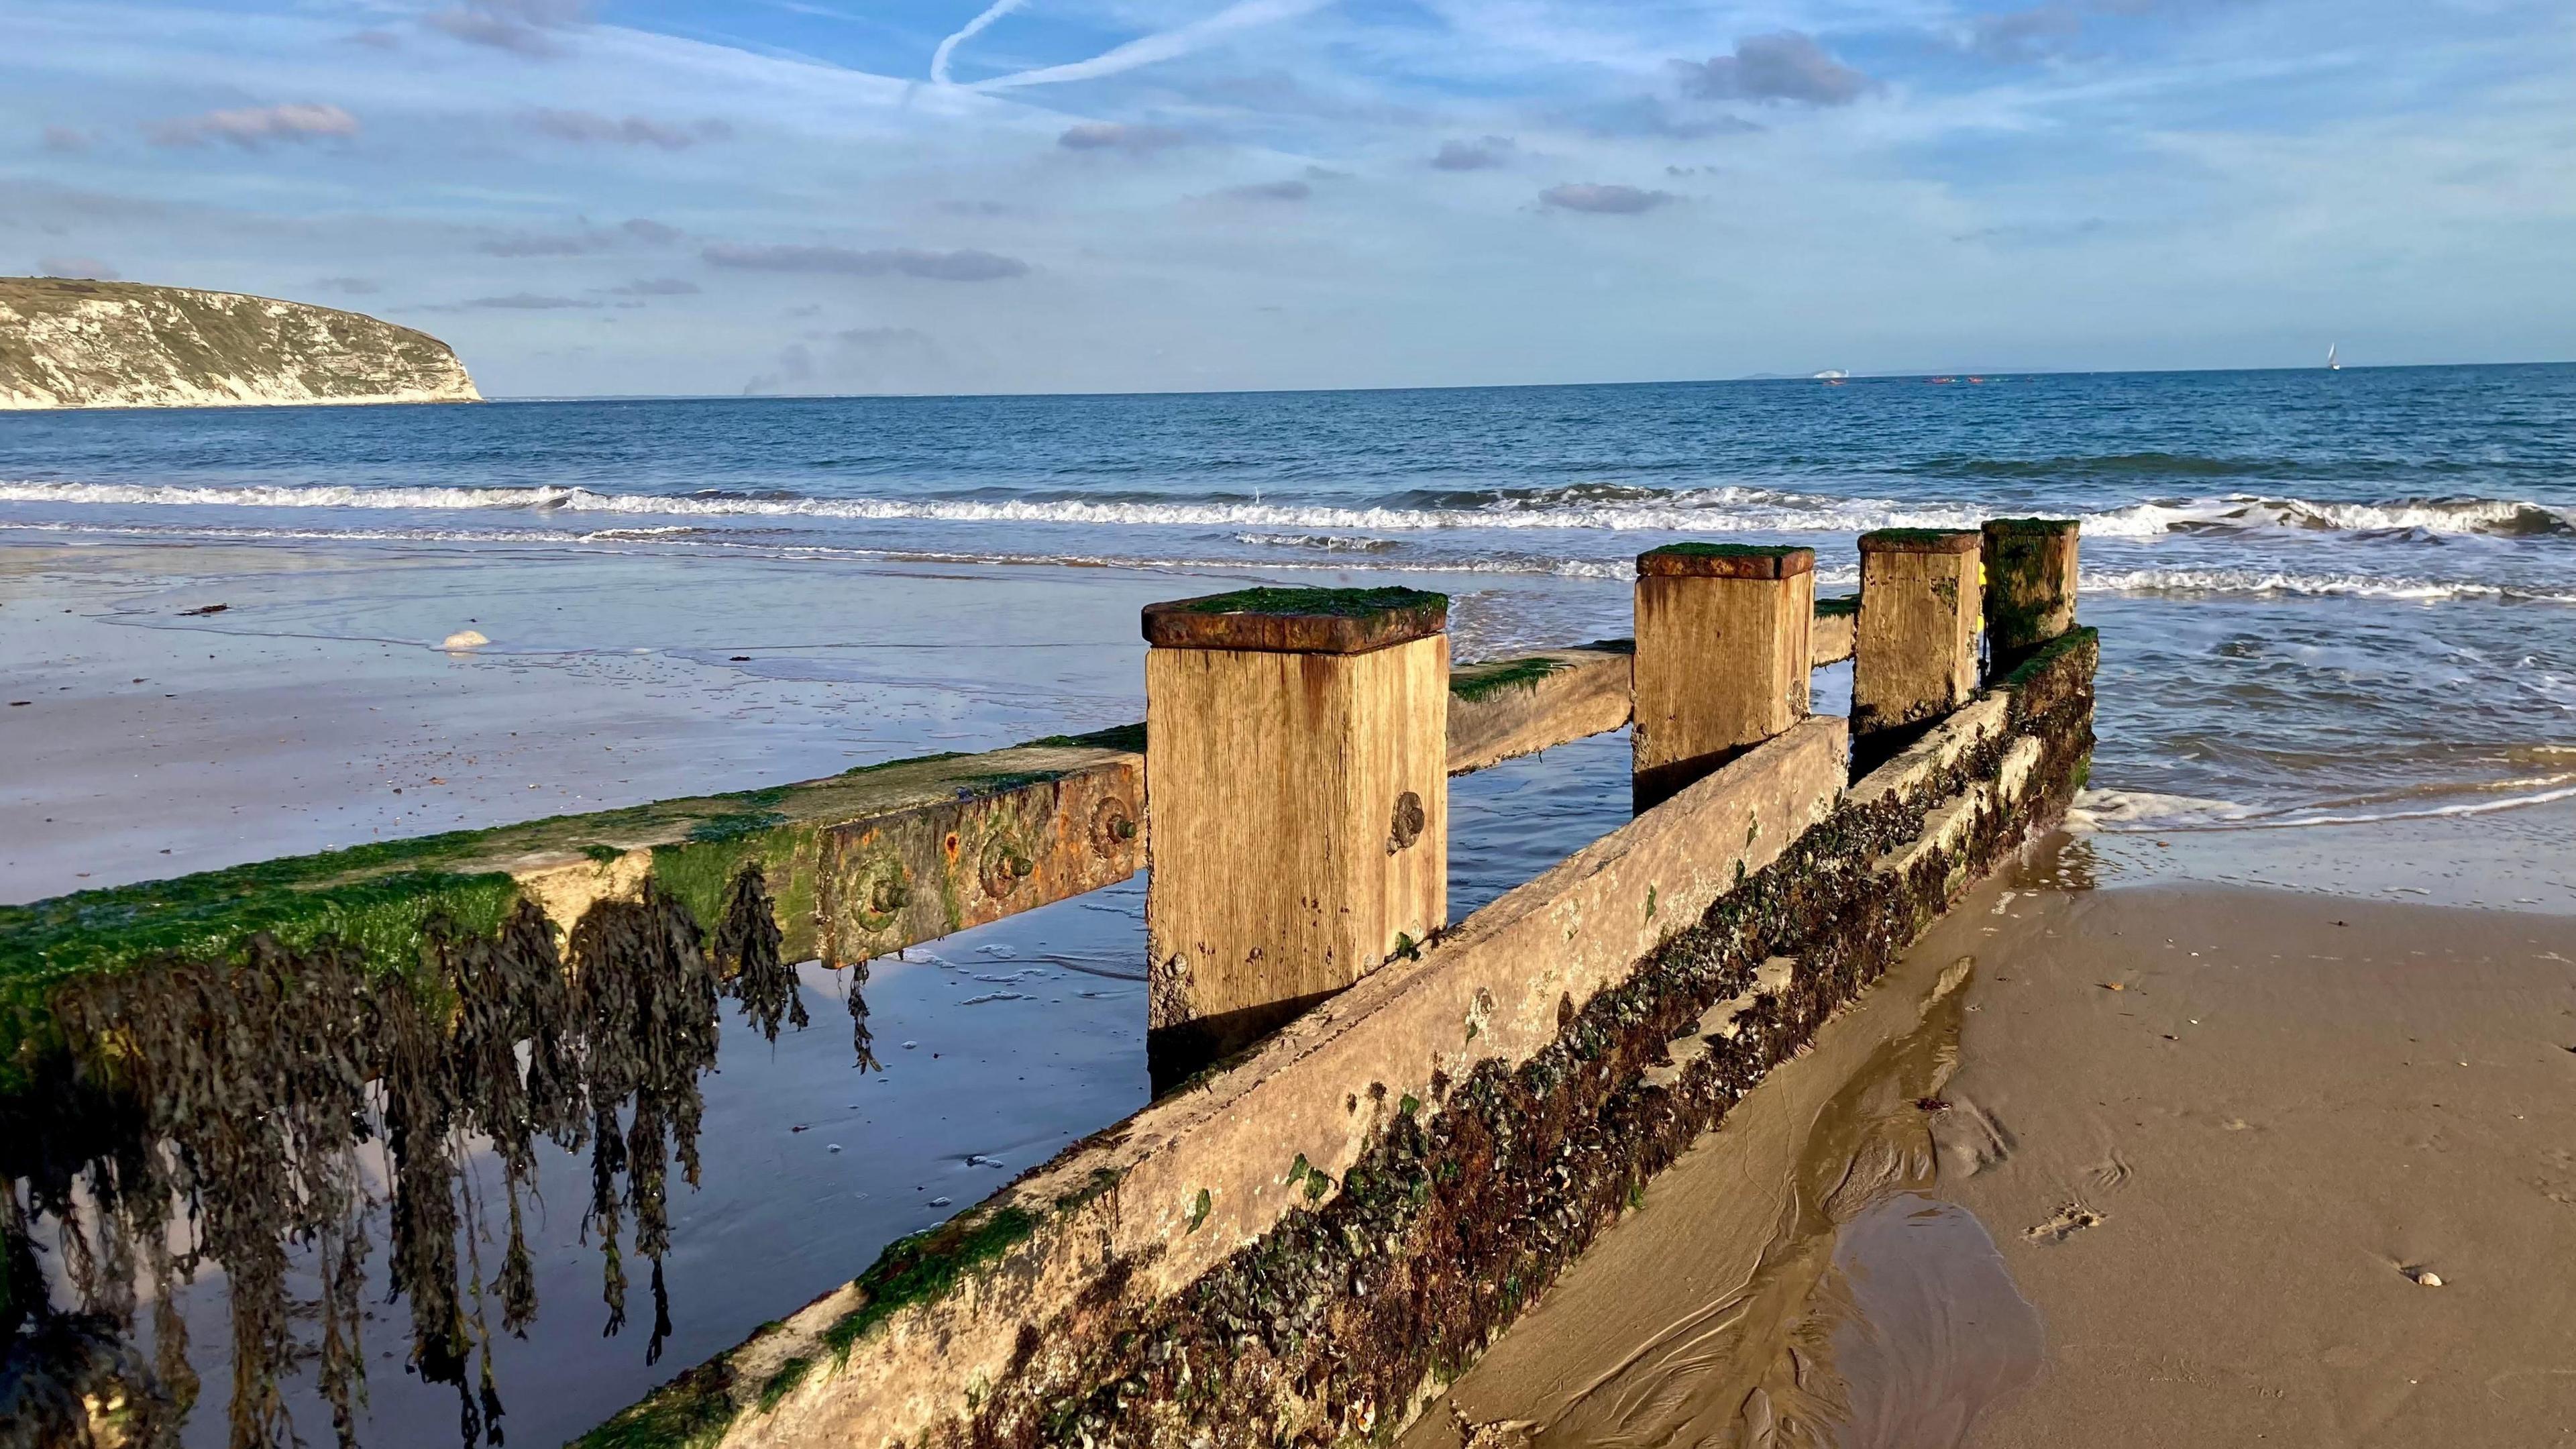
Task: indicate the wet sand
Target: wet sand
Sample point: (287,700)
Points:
(2293,1115)
(1792,1279)
(316,709)
(2164,1164)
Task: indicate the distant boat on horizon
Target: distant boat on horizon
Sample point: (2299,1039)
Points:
(2331,364)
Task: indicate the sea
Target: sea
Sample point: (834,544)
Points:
(2338,615)
(2325,594)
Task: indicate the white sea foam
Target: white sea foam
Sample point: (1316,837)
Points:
(2143,812)
(2176,582)
(1588,507)
(2276,582)
(2243,511)
(2118,810)
(789,548)
(1716,510)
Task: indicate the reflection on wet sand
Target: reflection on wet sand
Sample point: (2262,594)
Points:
(1790,1281)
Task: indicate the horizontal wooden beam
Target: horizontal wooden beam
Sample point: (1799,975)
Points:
(857,864)
(1836,621)
(863,865)
(1503,708)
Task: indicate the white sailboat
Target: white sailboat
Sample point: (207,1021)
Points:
(2331,364)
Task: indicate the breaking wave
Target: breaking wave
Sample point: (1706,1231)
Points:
(1706,510)
(1587,506)
(2145,812)
(1299,551)
(2276,583)
(2503,518)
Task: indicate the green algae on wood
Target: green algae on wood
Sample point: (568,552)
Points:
(690,1412)
(1297,621)
(925,1266)
(1336,603)
(1727,560)
(379,898)
(2030,584)
(1480,681)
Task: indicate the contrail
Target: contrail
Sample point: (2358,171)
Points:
(1164,45)
(948,47)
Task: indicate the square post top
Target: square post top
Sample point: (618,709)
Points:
(1298,621)
(1726,561)
(2032,527)
(1922,540)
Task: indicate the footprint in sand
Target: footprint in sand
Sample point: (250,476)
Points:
(1968,1138)
(2110,1172)
(2066,1222)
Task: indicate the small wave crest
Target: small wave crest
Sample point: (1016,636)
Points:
(2276,583)
(2241,512)
(1715,510)
(1321,542)
(2137,812)
(1586,507)
(2117,810)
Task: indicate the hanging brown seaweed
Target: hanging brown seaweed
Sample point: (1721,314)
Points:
(240,1099)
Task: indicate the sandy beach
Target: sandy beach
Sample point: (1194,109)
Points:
(2273,1124)
(2128,1164)
(316,709)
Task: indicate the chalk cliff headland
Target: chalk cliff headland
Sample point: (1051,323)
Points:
(82,344)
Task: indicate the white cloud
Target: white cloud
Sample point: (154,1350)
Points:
(1604,198)
(90,268)
(252,127)
(1788,66)
(964,265)
(1481,154)
(592,128)
(1114,136)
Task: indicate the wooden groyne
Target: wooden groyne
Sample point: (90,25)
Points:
(1302,1245)
(861,864)
(1380,1133)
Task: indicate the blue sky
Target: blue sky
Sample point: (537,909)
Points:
(672,196)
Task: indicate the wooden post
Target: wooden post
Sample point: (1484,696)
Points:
(2030,587)
(1297,804)
(1915,657)
(1722,656)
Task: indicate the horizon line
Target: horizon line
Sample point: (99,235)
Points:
(1987,376)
